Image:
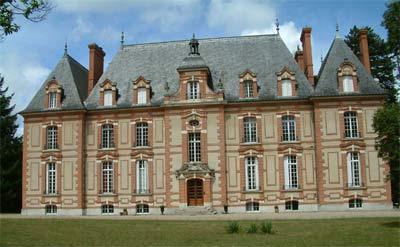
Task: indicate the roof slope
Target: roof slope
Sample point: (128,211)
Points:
(327,83)
(72,76)
(226,58)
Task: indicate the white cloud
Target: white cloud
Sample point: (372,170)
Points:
(81,28)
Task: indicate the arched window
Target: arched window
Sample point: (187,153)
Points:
(288,128)
(348,84)
(107,133)
(142,209)
(52,100)
(107,209)
(250,130)
(142,134)
(292,205)
(251,170)
(351,125)
(252,206)
(355,203)
(51,209)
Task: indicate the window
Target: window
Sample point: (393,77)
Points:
(250,130)
(292,205)
(353,169)
(51,209)
(193,90)
(52,137)
(142,96)
(348,85)
(194,147)
(194,122)
(252,206)
(107,209)
(108,177)
(355,203)
(288,128)
(142,209)
(52,100)
(248,89)
(142,133)
(350,125)
(108,98)
(286,88)
(51,178)
(251,173)
(290,163)
(141,177)
(107,136)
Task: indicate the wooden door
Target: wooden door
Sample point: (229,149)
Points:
(195,192)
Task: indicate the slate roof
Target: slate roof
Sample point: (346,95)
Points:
(227,58)
(327,83)
(73,77)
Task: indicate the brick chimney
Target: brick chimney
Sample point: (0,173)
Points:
(299,57)
(308,63)
(96,65)
(364,52)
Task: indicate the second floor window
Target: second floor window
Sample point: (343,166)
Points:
(250,130)
(286,88)
(193,90)
(141,176)
(248,89)
(108,177)
(194,147)
(288,128)
(290,163)
(51,178)
(108,98)
(107,136)
(142,96)
(142,135)
(251,171)
(350,125)
(348,85)
(52,100)
(353,170)
(51,137)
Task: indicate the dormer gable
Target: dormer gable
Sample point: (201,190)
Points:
(286,83)
(248,87)
(141,91)
(53,95)
(347,78)
(108,93)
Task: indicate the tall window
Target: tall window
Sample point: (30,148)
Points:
(288,128)
(348,85)
(52,137)
(290,163)
(51,209)
(142,96)
(251,173)
(353,169)
(350,125)
(107,209)
(194,147)
(286,88)
(52,99)
(142,133)
(107,136)
(108,177)
(51,178)
(141,177)
(193,90)
(250,130)
(107,97)
(248,89)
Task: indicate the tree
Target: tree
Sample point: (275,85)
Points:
(33,10)
(382,65)
(391,21)
(10,155)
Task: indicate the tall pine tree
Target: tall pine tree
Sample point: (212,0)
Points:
(10,155)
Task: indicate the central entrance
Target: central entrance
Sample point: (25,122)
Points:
(195,192)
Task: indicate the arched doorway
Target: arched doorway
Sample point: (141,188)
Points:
(195,192)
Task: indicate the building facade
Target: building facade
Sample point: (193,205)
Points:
(234,121)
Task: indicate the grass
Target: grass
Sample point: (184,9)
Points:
(99,232)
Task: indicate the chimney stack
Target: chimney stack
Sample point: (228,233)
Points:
(308,63)
(96,65)
(299,57)
(364,52)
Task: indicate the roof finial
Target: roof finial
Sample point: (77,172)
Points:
(194,46)
(277,25)
(65,48)
(122,40)
(337,31)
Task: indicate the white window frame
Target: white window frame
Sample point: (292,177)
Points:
(108,97)
(107,177)
(194,147)
(141,177)
(252,207)
(350,124)
(52,100)
(286,87)
(248,89)
(51,178)
(142,96)
(142,134)
(348,84)
(291,172)
(193,90)
(288,128)
(142,208)
(52,137)
(250,129)
(251,173)
(107,136)
(353,169)
(50,209)
(107,209)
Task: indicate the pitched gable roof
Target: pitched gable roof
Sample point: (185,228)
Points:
(72,77)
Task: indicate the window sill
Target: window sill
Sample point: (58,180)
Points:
(250,143)
(106,194)
(356,188)
(107,149)
(292,190)
(252,191)
(290,142)
(51,150)
(352,138)
(141,147)
(51,195)
(142,194)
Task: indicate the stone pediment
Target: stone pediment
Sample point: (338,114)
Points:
(197,168)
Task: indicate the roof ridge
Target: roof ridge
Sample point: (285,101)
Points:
(76,62)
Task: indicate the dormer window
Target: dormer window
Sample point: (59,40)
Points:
(287,88)
(193,90)
(347,78)
(348,84)
(53,95)
(141,91)
(107,98)
(287,85)
(108,93)
(248,89)
(248,85)
(142,96)
(52,100)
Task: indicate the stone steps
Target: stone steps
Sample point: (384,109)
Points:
(195,210)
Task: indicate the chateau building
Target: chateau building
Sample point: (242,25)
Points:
(234,121)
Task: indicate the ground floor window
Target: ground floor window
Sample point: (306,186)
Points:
(107,209)
(142,209)
(355,203)
(252,206)
(51,209)
(292,205)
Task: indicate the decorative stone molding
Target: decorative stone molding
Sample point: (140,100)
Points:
(141,83)
(286,74)
(347,69)
(108,85)
(53,87)
(248,77)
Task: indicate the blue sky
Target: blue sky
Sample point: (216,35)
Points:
(27,57)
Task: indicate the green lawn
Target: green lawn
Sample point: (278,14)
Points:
(95,232)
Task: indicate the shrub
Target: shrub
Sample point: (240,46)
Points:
(233,227)
(266,227)
(252,228)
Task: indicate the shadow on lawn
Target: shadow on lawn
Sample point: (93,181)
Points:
(394,224)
